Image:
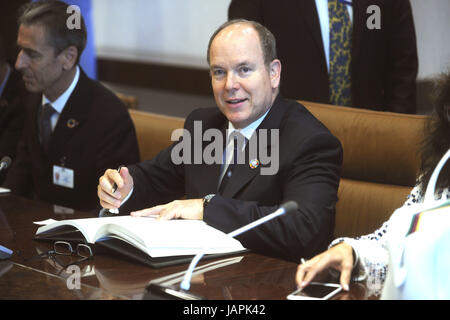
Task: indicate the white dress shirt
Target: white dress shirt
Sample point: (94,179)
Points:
(61,101)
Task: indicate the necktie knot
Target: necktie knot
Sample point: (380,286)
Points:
(238,141)
(47,111)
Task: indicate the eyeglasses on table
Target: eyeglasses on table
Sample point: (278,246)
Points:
(63,252)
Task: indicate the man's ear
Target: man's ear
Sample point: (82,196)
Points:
(69,56)
(275,73)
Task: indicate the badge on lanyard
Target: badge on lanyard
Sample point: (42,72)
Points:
(63,177)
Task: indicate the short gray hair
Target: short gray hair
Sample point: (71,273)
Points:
(53,16)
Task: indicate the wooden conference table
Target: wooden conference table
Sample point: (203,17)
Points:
(25,275)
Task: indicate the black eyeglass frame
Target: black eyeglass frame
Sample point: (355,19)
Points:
(55,252)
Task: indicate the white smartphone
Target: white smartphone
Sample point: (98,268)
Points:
(315,291)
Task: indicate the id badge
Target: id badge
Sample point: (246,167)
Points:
(63,177)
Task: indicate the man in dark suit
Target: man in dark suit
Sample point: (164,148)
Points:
(304,165)
(12,108)
(383,61)
(75,128)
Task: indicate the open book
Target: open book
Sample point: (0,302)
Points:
(156,239)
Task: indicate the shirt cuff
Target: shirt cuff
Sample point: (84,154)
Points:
(359,271)
(108,212)
(128,196)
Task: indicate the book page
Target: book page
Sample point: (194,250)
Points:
(88,227)
(173,237)
(156,238)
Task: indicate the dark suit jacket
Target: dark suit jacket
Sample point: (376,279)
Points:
(310,159)
(384,62)
(103,137)
(12,116)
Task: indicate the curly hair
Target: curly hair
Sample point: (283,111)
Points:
(437,137)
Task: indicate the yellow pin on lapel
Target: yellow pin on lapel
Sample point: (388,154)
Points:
(254,163)
(72,123)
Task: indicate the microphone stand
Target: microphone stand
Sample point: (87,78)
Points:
(186,283)
(5,162)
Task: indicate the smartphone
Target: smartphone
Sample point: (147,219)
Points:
(315,291)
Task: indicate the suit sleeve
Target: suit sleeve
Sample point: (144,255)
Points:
(12,124)
(402,61)
(311,179)
(19,176)
(12,132)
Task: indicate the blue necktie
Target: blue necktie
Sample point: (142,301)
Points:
(340,53)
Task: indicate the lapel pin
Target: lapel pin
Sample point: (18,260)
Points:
(72,123)
(254,163)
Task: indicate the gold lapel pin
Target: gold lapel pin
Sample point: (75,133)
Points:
(254,163)
(72,123)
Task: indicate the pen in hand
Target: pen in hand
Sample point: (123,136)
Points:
(114,189)
(303,284)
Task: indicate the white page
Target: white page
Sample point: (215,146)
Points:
(4,190)
(88,227)
(175,237)
(45,222)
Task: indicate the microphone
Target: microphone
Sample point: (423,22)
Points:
(5,162)
(288,207)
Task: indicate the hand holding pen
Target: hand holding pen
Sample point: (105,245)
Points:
(113,190)
(114,186)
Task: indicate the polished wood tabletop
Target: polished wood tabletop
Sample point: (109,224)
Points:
(27,275)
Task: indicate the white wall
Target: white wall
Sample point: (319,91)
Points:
(177,31)
(432,20)
(167,31)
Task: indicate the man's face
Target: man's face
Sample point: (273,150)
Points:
(41,68)
(244,89)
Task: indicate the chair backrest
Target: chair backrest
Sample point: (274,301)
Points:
(131,102)
(381,158)
(381,162)
(153,132)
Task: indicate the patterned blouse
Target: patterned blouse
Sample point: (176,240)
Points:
(371,251)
